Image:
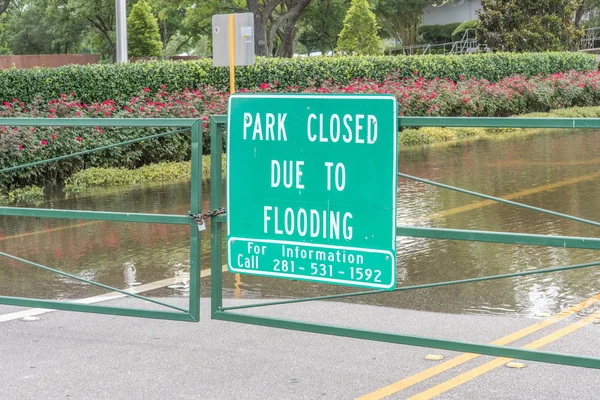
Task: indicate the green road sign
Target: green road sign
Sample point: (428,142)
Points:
(312,188)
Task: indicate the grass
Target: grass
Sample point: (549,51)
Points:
(149,174)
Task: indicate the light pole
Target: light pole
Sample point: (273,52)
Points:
(121,31)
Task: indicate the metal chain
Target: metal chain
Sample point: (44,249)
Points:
(200,218)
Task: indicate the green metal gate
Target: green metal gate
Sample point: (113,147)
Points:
(192,313)
(219,312)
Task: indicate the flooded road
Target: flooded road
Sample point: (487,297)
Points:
(558,171)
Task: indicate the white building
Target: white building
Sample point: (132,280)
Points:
(457,11)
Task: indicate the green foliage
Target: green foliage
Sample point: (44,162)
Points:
(400,19)
(430,135)
(438,33)
(152,173)
(142,31)
(320,24)
(528,25)
(459,31)
(28,194)
(96,83)
(42,28)
(359,35)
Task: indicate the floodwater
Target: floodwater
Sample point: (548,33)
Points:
(557,171)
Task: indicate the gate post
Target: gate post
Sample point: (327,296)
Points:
(216,227)
(196,209)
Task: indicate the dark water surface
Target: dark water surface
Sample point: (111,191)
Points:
(558,171)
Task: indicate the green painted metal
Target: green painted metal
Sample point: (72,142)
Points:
(416,287)
(567,242)
(452,345)
(95,309)
(311,189)
(102,122)
(96,215)
(225,313)
(178,313)
(196,207)
(485,122)
(216,202)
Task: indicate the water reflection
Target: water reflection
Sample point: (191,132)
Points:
(557,172)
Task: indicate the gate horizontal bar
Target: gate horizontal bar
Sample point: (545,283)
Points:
(491,122)
(103,122)
(568,242)
(96,215)
(483,122)
(89,308)
(466,347)
(416,287)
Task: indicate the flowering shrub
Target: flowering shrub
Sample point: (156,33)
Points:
(96,83)
(416,97)
(23,145)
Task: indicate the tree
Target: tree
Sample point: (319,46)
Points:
(42,27)
(269,23)
(100,15)
(400,19)
(528,25)
(142,31)
(359,35)
(170,15)
(4,5)
(321,23)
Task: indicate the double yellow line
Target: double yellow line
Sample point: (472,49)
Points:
(475,372)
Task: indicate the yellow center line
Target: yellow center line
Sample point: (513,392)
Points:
(463,358)
(511,196)
(491,365)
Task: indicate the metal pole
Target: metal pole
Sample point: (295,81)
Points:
(231,53)
(121,31)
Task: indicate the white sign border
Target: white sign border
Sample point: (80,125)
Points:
(317,96)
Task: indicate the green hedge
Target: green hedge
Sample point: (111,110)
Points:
(96,83)
(460,30)
(438,33)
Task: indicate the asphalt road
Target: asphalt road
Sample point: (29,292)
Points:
(66,355)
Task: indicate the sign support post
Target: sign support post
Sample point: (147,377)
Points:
(231,54)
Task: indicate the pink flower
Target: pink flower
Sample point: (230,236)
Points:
(78,138)
(54,136)
(78,114)
(146,90)
(20,147)
(44,142)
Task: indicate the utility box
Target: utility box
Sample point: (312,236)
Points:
(242,37)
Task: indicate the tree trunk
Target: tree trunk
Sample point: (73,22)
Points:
(4,5)
(261,17)
(579,13)
(287,47)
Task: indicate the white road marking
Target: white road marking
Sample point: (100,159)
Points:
(103,297)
